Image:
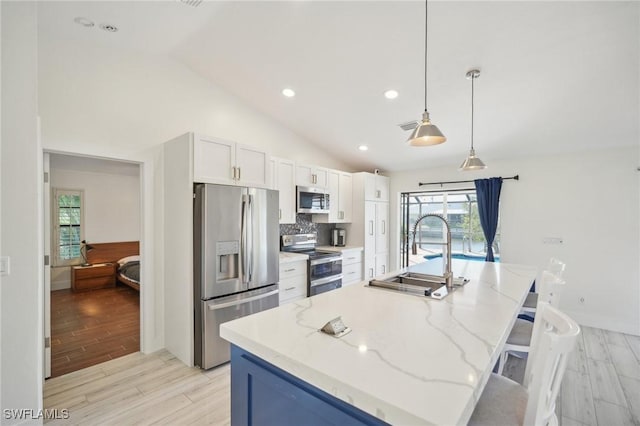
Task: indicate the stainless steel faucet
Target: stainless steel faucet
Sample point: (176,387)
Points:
(448,275)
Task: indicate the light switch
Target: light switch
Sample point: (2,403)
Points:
(4,265)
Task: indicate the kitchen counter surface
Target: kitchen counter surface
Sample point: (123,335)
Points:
(340,249)
(408,359)
(286,257)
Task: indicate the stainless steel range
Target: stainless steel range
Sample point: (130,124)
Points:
(324,268)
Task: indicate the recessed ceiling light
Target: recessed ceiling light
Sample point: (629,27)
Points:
(363,148)
(289,93)
(391,94)
(84,22)
(109,28)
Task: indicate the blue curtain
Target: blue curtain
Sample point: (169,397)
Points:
(488,193)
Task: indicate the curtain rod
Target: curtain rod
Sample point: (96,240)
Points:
(516,177)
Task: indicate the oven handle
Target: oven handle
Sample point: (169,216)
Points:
(325,280)
(324,260)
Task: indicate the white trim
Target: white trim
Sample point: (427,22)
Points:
(598,321)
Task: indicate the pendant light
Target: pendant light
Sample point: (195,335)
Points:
(472,162)
(426,133)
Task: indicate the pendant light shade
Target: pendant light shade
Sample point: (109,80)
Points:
(472,162)
(426,133)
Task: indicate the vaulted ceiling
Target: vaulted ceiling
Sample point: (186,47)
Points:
(555,76)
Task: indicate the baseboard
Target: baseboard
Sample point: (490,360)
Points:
(605,323)
(60,285)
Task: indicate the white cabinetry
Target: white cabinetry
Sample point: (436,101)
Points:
(284,174)
(312,176)
(340,199)
(351,267)
(376,187)
(293,281)
(229,163)
(371,222)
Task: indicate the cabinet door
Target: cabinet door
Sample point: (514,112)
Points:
(321,179)
(346,197)
(369,267)
(273,173)
(334,197)
(382,188)
(369,229)
(370,187)
(253,166)
(382,227)
(285,175)
(213,160)
(304,175)
(382,264)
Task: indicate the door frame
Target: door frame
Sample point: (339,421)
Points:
(151,327)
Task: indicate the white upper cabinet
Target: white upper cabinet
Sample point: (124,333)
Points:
(340,198)
(284,172)
(312,176)
(376,187)
(229,163)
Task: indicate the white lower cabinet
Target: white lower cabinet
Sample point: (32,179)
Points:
(351,267)
(376,265)
(293,281)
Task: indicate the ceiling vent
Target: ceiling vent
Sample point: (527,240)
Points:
(409,125)
(192,3)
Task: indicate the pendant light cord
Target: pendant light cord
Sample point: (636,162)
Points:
(426,20)
(472,92)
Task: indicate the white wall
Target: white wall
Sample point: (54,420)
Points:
(21,311)
(111,209)
(591,200)
(100,100)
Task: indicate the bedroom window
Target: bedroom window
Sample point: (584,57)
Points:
(68,223)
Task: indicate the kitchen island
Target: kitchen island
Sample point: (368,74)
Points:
(408,359)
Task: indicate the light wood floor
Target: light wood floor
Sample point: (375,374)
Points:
(601,387)
(93,326)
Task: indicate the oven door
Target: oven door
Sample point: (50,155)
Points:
(325,267)
(324,284)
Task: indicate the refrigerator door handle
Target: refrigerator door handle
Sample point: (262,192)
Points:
(213,307)
(250,238)
(243,240)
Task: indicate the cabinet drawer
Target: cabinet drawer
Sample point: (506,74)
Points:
(352,273)
(94,271)
(351,257)
(293,269)
(94,283)
(293,287)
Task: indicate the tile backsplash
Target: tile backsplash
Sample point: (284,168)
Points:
(304,225)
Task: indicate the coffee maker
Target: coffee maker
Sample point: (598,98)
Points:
(338,237)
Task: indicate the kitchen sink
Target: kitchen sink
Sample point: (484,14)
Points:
(433,286)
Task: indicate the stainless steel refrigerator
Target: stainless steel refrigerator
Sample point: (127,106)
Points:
(236,249)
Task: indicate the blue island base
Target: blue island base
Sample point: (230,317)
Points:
(262,394)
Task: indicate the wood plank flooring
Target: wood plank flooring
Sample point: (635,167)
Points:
(94,326)
(601,387)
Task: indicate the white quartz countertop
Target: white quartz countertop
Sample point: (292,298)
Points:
(340,249)
(286,257)
(409,359)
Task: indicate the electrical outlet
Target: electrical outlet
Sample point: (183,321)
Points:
(552,240)
(4,265)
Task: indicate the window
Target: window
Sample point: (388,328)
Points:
(67,226)
(460,208)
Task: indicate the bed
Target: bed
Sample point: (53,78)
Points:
(125,256)
(128,271)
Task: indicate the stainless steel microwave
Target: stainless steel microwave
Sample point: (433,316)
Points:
(312,200)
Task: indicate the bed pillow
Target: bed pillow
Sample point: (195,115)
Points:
(134,258)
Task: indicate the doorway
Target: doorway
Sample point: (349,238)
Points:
(92,233)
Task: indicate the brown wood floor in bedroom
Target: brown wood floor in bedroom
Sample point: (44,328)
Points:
(94,326)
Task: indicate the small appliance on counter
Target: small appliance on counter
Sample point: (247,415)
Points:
(324,268)
(338,237)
